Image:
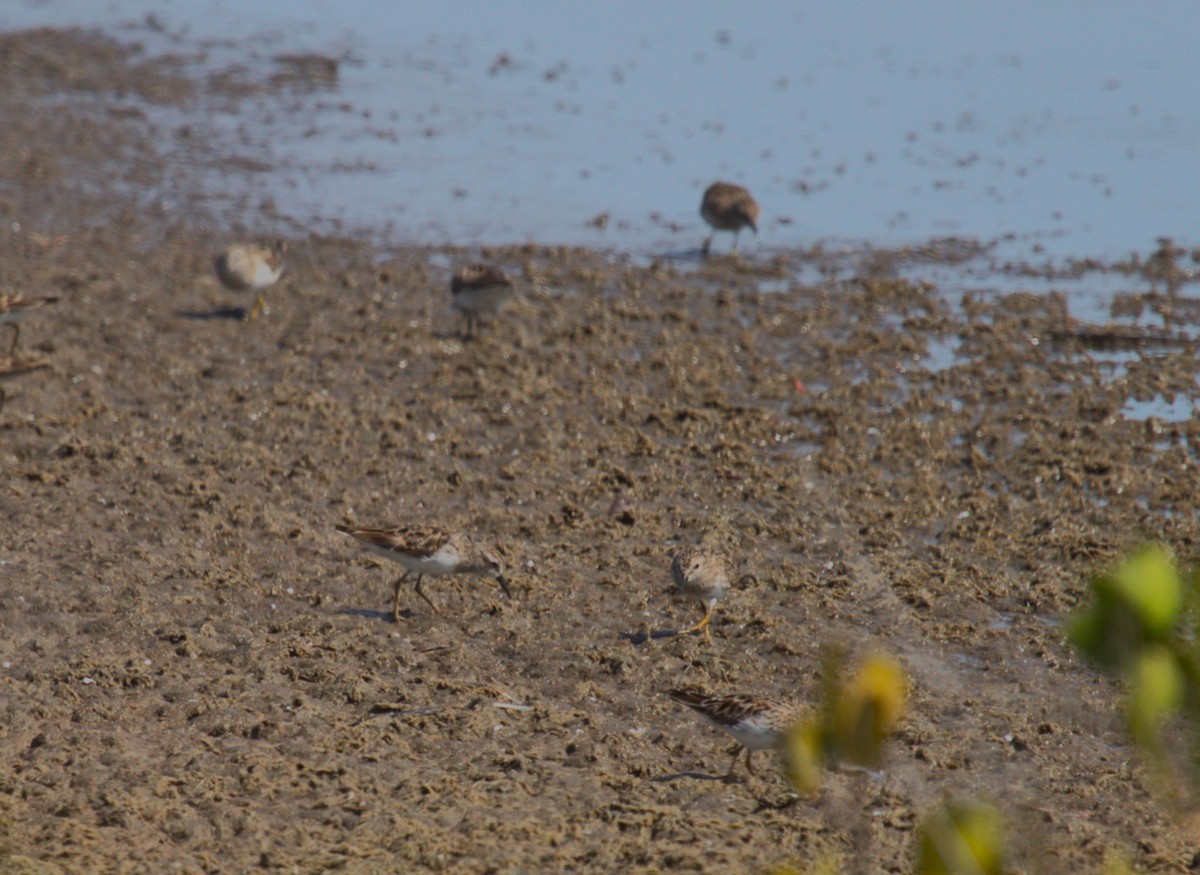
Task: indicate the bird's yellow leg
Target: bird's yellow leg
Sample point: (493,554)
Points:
(702,626)
(259,303)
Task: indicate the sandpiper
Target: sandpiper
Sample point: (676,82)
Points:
(429,550)
(755,723)
(728,207)
(478,291)
(704,575)
(249,267)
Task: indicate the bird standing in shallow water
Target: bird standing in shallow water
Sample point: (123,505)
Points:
(248,267)
(728,207)
(754,723)
(429,550)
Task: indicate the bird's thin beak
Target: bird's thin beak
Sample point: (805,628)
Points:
(503,585)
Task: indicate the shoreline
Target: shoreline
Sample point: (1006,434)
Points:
(198,670)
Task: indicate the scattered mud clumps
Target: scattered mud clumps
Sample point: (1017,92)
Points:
(197,671)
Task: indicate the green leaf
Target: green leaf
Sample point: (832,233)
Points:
(1149,583)
(1138,603)
(1155,692)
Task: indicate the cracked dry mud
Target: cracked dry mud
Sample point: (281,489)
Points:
(200,674)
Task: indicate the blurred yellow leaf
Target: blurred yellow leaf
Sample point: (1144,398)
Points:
(1137,603)
(804,755)
(1117,864)
(867,710)
(960,838)
(1150,585)
(852,725)
(1155,691)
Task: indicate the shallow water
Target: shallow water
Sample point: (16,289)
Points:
(1068,126)
(1178,408)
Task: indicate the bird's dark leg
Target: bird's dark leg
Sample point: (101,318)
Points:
(733,763)
(421,593)
(396,597)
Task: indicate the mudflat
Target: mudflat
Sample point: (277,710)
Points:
(199,674)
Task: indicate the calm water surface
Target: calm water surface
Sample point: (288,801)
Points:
(1071,126)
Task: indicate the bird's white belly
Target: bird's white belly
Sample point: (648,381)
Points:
(264,275)
(754,734)
(444,561)
(704,590)
(484,301)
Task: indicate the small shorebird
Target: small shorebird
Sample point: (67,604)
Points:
(429,550)
(704,575)
(479,290)
(14,309)
(728,207)
(248,267)
(754,723)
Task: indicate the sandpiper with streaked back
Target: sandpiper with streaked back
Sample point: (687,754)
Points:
(755,723)
(429,551)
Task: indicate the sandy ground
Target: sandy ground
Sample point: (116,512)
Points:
(200,675)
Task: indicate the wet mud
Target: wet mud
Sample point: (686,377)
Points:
(199,674)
